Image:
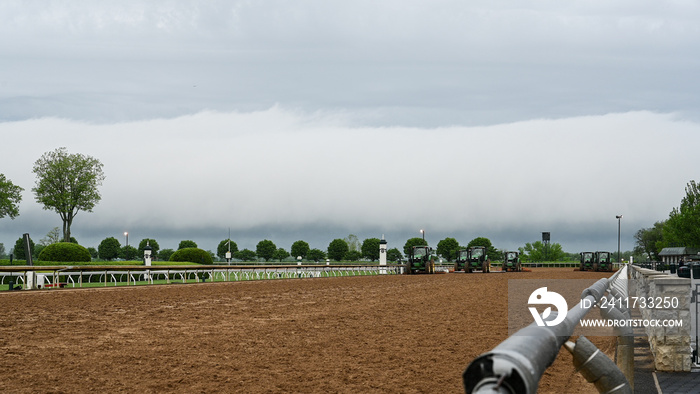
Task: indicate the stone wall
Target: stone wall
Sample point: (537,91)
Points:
(669,345)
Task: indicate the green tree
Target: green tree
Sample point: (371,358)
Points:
(245,255)
(2,251)
(150,242)
(186,244)
(370,248)
(394,254)
(109,248)
(19,249)
(316,255)
(408,246)
(300,248)
(10,197)
(225,246)
(52,237)
(128,253)
(353,242)
(93,252)
(683,225)
(648,240)
(280,254)
(485,242)
(352,255)
(337,249)
(67,184)
(448,248)
(538,251)
(165,254)
(265,249)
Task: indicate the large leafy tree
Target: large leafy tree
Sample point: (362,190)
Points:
(10,197)
(485,242)
(353,242)
(408,246)
(265,249)
(280,254)
(316,255)
(67,183)
(225,246)
(52,237)
(648,240)
(370,248)
(683,225)
(245,255)
(19,249)
(538,251)
(394,254)
(337,249)
(300,248)
(109,248)
(448,248)
(129,253)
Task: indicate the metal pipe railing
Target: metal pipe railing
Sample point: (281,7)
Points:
(517,364)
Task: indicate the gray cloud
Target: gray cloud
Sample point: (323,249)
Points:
(285,172)
(410,63)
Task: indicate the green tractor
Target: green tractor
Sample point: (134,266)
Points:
(603,261)
(461,260)
(511,262)
(420,261)
(473,259)
(587,261)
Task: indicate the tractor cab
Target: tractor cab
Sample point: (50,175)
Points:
(511,262)
(603,261)
(587,261)
(420,260)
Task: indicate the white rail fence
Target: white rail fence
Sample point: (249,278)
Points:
(52,277)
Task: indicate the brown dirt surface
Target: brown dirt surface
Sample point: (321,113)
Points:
(377,334)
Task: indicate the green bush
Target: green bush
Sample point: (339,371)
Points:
(64,251)
(192,255)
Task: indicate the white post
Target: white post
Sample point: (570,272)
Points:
(30,280)
(382,255)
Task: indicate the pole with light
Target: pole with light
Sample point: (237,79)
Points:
(423,232)
(618,217)
(126,234)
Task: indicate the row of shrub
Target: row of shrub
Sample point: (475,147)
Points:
(74,253)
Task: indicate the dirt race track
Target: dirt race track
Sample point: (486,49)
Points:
(381,334)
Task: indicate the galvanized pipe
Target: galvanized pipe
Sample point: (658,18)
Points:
(597,368)
(517,364)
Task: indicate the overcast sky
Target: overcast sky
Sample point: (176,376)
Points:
(316,119)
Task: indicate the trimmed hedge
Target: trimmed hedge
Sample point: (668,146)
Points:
(64,251)
(192,255)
